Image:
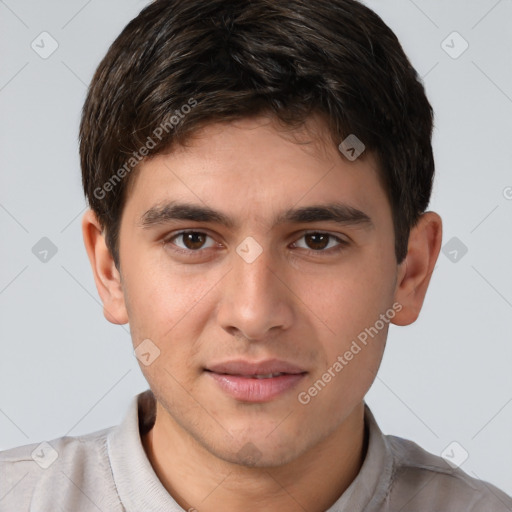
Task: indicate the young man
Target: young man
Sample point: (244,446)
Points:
(258,174)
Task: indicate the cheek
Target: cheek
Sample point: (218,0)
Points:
(351,326)
(348,299)
(159,296)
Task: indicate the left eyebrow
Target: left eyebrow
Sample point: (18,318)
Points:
(340,213)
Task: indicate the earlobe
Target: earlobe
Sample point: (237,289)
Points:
(416,270)
(106,275)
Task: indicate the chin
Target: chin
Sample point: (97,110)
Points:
(259,449)
(250,456)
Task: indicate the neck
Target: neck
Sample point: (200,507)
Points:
(197,479)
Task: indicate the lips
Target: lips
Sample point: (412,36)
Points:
(248,381)
(262,369)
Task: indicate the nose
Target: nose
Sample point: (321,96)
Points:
(256,301)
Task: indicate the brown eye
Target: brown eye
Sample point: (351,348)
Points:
(191,241)
(320,242)
(317,241)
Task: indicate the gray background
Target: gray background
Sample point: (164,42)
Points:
(65,370)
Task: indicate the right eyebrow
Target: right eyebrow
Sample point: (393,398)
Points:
(167,212)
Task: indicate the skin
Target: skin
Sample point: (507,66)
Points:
(287,304)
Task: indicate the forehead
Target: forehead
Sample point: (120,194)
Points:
(255,168)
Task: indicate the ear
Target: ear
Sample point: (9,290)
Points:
(416,270)
(106,275)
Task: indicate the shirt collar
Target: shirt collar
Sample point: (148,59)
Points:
(371,486)
(139,488)
(137,484)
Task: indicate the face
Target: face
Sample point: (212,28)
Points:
(254,314)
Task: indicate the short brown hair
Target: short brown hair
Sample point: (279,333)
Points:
(181,64)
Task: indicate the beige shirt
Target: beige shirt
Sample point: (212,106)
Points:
(109,471)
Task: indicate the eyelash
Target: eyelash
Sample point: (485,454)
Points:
(342,244)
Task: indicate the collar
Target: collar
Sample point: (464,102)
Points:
(139,488)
